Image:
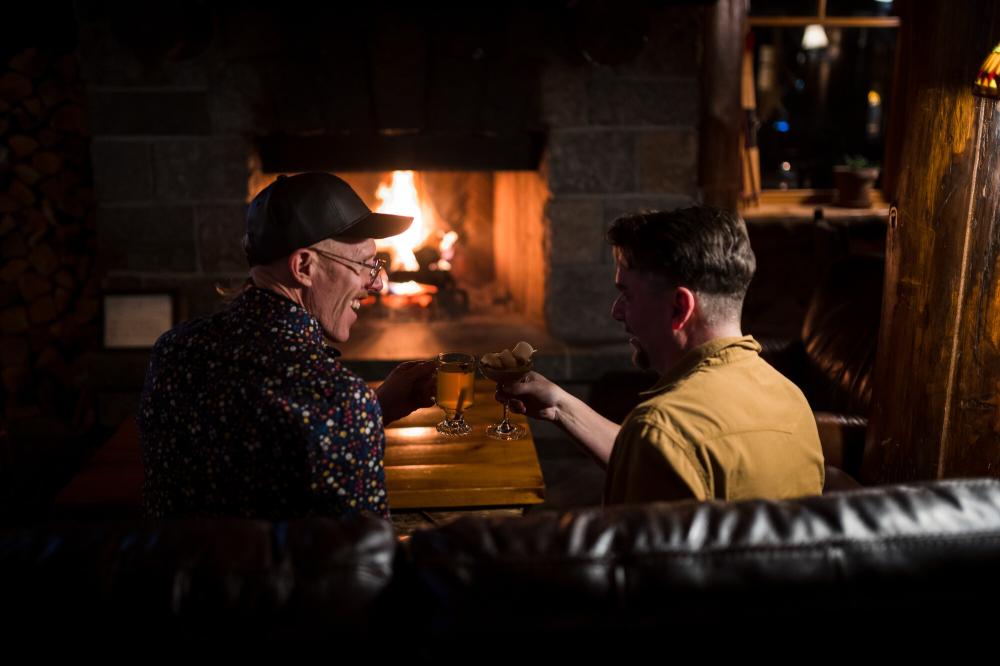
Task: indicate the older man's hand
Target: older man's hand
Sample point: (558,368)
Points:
(409,386)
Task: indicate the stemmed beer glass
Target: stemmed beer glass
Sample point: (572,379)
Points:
(456,391)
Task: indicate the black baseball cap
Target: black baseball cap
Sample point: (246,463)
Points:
(297,211)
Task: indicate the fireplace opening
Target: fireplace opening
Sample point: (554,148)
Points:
(469,273)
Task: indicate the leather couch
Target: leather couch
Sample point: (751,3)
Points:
(908,563)
(833,359)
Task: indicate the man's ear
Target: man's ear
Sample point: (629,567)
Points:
(684,304)
(302,266)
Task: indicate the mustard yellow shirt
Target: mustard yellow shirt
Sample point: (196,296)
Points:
(721,424)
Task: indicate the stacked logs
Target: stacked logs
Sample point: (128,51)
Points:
(48,288)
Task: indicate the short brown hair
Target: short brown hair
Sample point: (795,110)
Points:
(704,249)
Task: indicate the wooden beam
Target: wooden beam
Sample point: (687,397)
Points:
(936,394)
(721,114)
(827,22)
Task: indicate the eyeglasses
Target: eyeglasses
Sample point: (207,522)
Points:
(373,269)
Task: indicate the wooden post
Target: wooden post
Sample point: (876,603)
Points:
(936,397)
(721,115)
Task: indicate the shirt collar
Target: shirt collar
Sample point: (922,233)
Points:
(287,316)
(720,351)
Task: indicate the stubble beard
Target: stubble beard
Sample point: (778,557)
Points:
(640,358)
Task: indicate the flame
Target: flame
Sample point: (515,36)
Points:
(406,288)
(400,197)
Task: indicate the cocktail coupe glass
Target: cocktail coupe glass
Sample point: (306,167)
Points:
(505,430)
(456,390)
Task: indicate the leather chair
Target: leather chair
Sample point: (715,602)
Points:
(834,358)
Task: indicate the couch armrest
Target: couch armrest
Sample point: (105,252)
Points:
(842,437)
(837,480)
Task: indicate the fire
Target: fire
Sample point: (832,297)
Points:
(400,197)
(447,248)
(409,295)
(406,288)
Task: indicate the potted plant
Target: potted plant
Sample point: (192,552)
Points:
(855,179)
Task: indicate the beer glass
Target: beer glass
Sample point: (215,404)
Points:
(456,379)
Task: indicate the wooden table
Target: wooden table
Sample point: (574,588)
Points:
(427,470)
(424,469)
(109,485)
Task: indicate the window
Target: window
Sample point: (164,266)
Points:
(823,82)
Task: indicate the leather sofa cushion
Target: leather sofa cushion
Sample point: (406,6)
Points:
(197,578)
(876,555)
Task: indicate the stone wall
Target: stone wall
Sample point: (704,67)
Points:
(170,175)
(621,138)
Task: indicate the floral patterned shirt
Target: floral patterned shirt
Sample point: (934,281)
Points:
(249,413)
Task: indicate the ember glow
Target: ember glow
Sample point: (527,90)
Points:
(447,251)
(406,288)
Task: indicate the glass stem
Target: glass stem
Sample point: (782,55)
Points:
(504,424)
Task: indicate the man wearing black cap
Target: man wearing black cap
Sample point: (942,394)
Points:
(248,412)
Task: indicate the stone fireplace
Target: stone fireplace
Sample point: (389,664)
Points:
(569,117)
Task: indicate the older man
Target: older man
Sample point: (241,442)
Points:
(720,423)
(248,412)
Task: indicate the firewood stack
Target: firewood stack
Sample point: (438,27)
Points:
(48,286)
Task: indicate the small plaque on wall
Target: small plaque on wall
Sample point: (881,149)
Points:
(135,321)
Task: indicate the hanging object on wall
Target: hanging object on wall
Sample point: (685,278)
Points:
(986,83)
